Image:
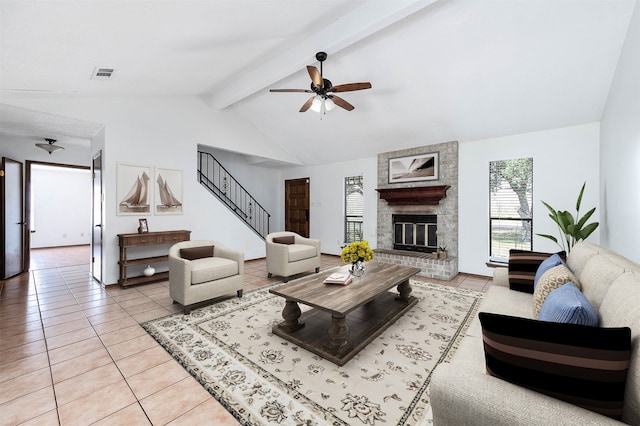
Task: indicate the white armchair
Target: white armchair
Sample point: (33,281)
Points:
(289,254)
(201,270)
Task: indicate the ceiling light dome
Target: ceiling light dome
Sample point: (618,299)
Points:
(49,147)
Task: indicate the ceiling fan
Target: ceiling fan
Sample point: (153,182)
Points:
(324,99)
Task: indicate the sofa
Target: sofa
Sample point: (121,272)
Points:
(201,270)
(289,253)
(463,392)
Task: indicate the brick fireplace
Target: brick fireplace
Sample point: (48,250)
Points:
(420,200)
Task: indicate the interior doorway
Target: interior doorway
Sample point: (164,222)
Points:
(296,206)
(57,206)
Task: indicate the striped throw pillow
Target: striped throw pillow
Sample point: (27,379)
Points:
(523,266)
(585,366)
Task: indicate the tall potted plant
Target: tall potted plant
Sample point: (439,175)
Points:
(572,229)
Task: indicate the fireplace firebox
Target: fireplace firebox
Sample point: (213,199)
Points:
(415,232)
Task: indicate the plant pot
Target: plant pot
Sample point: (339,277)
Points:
(442,255)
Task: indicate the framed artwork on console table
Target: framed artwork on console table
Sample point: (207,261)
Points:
(133,191)
(144,227)
(414,168)
(168,191)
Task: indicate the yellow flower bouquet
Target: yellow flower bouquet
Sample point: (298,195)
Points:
(357,253)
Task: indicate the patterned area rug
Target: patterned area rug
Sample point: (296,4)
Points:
(262,379)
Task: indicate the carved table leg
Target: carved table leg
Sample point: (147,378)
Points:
(404,290)
(291,313)
(338,333)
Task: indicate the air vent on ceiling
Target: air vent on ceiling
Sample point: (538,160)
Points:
(102,73)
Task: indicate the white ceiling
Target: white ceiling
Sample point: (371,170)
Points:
(441,70)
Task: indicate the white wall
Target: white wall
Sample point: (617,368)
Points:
(61,206)
(326,189)
(620,151)
(165,132)
(562,160)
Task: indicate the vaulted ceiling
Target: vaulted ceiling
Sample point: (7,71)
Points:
(441,70)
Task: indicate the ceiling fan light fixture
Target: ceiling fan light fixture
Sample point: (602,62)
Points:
(49,146)
(324,100)
(329,104)
(316,105)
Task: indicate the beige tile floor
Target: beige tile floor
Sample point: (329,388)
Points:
(73,353)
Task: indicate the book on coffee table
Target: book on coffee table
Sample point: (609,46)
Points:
(342,277)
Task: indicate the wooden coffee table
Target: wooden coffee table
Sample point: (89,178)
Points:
(344,319)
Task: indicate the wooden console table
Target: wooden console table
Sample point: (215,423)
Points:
(128,241)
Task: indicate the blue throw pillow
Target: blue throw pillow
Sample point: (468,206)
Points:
(568,305)
(548,263)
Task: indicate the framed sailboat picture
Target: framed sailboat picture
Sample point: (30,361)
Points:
(134,192)
(168,191)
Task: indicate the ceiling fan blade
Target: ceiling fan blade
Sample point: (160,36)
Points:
(315,76)
(307,104)
(350,87)
(342,103)
(291,90)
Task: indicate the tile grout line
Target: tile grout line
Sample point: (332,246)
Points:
(46,345)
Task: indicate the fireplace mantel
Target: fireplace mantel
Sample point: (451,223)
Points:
(421,195)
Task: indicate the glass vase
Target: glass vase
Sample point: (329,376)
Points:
(357,268)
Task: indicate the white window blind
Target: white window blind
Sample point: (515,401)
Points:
(353,208)
(510,207)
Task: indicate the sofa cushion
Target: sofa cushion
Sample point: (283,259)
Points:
(288,239)
(567,304)
(212,268)
(549,281)
(548,263)
(597,275)
(585,366)
(619,308)
(523,266)
(301,252)
(193,253)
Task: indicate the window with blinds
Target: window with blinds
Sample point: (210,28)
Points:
(353,209)
(510,207)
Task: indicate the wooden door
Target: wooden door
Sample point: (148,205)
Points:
(12,188)
(296,206)
(96,236)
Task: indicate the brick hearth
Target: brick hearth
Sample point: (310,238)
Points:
(442,269)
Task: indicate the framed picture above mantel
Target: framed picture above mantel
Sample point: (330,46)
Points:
(414,168)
